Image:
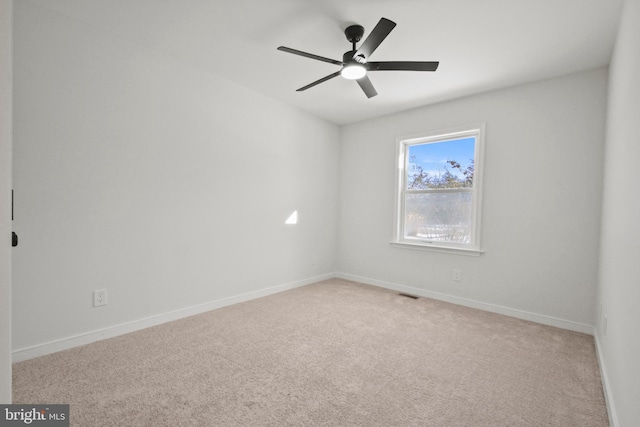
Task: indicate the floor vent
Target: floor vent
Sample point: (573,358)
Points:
(408,296)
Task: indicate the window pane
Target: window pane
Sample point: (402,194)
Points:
(441,165)
(439,217)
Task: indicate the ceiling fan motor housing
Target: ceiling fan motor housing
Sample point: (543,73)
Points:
(349,58)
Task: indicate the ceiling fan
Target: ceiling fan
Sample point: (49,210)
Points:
(355,63)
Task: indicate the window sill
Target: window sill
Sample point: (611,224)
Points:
(435,248)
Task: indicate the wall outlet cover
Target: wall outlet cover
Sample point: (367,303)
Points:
(99,297)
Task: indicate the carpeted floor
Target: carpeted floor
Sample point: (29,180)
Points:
(335,353)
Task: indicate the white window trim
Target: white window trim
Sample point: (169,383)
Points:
(475,249)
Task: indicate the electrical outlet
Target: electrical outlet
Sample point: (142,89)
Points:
(457,275)
(99,297)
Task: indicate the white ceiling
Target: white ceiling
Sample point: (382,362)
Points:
(481,44)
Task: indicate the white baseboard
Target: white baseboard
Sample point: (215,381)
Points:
(512,312)
(611,408)
(136,325)
(113,331)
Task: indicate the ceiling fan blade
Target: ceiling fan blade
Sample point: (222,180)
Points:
(309,55)
(367,87)
(377,35)
(403,66)
(317,82)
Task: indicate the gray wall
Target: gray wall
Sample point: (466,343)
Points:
(619,290)
(149,177)
(541,202)
(5,199)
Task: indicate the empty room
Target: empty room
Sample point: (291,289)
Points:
(337,213)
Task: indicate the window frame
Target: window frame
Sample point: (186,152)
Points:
(402,144)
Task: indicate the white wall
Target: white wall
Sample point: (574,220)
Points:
(541,208)
(163,184)
(619,280)
(6,7)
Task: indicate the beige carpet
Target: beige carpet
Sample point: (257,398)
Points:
(335,353)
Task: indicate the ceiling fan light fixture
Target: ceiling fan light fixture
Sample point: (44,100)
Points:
(355,65)
(353,71)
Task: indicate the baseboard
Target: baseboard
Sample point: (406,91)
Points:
(113,331)
(519,314)
(606,385)
(136,325)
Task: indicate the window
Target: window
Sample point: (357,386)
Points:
(439,190)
